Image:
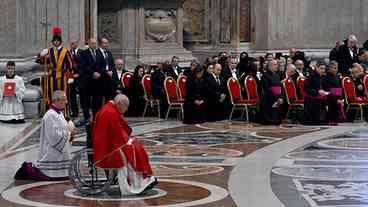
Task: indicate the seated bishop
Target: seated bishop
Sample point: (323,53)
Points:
(11,94)
(115,148)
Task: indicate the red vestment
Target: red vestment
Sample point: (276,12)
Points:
(110,134)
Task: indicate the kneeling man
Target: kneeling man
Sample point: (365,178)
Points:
(55,148)
(114,148)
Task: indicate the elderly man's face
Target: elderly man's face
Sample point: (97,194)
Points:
(233,63)
(61,103)
(352,43)
(92,43)
(74,44)
(104,44)
(119,64)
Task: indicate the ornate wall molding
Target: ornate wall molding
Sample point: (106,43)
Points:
(109,27)
(160,24)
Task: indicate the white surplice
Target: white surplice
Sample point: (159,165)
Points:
(55,149)
(11,108)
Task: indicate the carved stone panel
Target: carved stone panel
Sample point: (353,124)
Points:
(225,24)
(109,27)
(160,25)
(245,16)
(195,20)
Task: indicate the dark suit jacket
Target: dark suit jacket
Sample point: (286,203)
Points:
(171,72)
(87,66)
(215,90)
(345,60)
(107,85)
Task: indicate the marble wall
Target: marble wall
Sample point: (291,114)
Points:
(26,25)
(308,23)
(7,27)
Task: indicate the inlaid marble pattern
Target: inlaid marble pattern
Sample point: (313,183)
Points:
(192,162)
(345,143)
(333,193)
(191,150)
(330,155)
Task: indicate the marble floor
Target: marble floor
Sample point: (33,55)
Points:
(212,165)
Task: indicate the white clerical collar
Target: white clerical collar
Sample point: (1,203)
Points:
(59,48)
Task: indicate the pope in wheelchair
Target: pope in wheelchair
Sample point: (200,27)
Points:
(116,152)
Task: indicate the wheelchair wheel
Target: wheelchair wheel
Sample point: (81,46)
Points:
(86,178)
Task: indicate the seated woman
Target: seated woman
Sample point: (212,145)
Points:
(11,94)
(136,92)
(315,96)
(55,148)
(272,100)
(335,102)
(196,100)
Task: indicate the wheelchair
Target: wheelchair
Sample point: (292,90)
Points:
(86,177)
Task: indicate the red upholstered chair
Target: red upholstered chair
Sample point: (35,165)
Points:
(350,97)
(182,86)
(126,79)
(150,101)
(237,100)
(365,82)
(292,96)
(172,96)
(250,84)
(300,85)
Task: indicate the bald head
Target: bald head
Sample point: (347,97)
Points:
(119,63)
(92,43)
(122,102)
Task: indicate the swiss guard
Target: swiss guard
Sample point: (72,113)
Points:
(58,66)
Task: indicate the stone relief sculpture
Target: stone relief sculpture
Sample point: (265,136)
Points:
(108,26)
(195,19)
(160,25)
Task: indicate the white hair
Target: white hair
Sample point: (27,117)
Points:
(58,95)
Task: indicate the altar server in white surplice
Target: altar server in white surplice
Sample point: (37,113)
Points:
(11,94)
(56,135)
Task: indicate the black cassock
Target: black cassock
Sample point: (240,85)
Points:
(332,84)
(313,102)
(196,90)
(271,88)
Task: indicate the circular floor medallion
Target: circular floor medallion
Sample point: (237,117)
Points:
(345,143)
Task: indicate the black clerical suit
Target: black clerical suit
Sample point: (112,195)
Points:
(346,60)
(331,83)
(314,104)
(271,88)
(216,108)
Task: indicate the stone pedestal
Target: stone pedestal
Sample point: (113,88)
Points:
(143,31)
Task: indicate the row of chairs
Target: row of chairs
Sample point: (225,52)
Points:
(348,86)
(175,92)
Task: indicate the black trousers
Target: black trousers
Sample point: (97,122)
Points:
(85,99)
(73,101)
(98,101)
